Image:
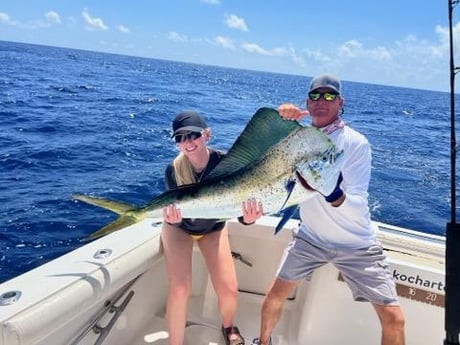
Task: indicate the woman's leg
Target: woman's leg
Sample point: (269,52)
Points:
(215,247)
(177,246)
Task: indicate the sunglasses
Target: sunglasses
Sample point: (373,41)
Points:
(181,137)
(328,96)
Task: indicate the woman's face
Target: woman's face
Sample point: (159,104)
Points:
(192,143)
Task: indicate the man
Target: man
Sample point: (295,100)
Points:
(336,228)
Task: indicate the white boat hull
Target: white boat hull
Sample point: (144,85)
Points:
(61,301)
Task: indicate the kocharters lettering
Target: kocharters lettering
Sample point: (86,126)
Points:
(417,280)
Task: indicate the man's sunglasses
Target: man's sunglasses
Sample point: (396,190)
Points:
(181,137)
(328,96)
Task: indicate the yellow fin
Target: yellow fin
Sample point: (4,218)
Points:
(114,206)
(128,214)
(120,223)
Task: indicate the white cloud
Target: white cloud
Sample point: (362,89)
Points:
(410,61)
(123,29)
(414,51)
(256,49)
(297,58)
(174,36)
(290,52)
(212,2)
(354,49)
(316,55)
(407,62)
(403,62)
(53,17)
(350,49)
(380,53)
(225,42)
(235,22)
(443,34)
(93,23)
(5,19)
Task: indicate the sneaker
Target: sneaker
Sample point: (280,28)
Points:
(256,341)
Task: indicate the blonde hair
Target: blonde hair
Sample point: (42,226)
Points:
(183,170)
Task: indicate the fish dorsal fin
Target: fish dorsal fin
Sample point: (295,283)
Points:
(265,129)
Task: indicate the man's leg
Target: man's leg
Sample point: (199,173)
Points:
(392,321)
(273,306)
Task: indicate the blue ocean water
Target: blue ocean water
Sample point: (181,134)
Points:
(76,121)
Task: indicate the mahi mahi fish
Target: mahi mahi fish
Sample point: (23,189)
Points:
(273,161)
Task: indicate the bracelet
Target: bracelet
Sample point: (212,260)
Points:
(241,220)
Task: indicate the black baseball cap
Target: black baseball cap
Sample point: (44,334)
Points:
(188,121)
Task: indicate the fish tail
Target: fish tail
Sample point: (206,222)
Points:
(128,215)
(120,223)
(114,206)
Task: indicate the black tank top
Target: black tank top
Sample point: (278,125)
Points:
(197,226)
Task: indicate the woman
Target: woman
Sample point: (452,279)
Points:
(194,161)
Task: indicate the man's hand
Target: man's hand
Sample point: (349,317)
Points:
(289,111)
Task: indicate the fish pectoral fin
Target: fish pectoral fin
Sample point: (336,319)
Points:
(290,184)
(114,206)
(118,224)
(288,212)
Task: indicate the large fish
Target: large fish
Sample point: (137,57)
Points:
(267,162)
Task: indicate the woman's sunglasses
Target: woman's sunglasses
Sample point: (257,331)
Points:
(181,137)
(328,96)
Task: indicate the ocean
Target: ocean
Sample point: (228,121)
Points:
(76,121)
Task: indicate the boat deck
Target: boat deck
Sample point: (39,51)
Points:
(83,298)
(206,331)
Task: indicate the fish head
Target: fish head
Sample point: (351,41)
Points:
(322,172)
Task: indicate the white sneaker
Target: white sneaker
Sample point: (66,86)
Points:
(256,341)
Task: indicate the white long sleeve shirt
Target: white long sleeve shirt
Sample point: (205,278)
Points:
(349,225)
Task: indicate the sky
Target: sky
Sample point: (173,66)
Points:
(394,42)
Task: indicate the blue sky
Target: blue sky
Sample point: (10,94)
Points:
(394,42)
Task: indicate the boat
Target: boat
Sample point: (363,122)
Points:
(112,291)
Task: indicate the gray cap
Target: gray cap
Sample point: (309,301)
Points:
(326,80)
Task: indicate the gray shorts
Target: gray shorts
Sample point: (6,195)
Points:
(364,270)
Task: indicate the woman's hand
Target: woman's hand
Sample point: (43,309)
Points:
(171,215)
(252,210)
(290,111)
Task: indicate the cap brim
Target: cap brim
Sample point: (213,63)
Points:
(325,86)
(187,129)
